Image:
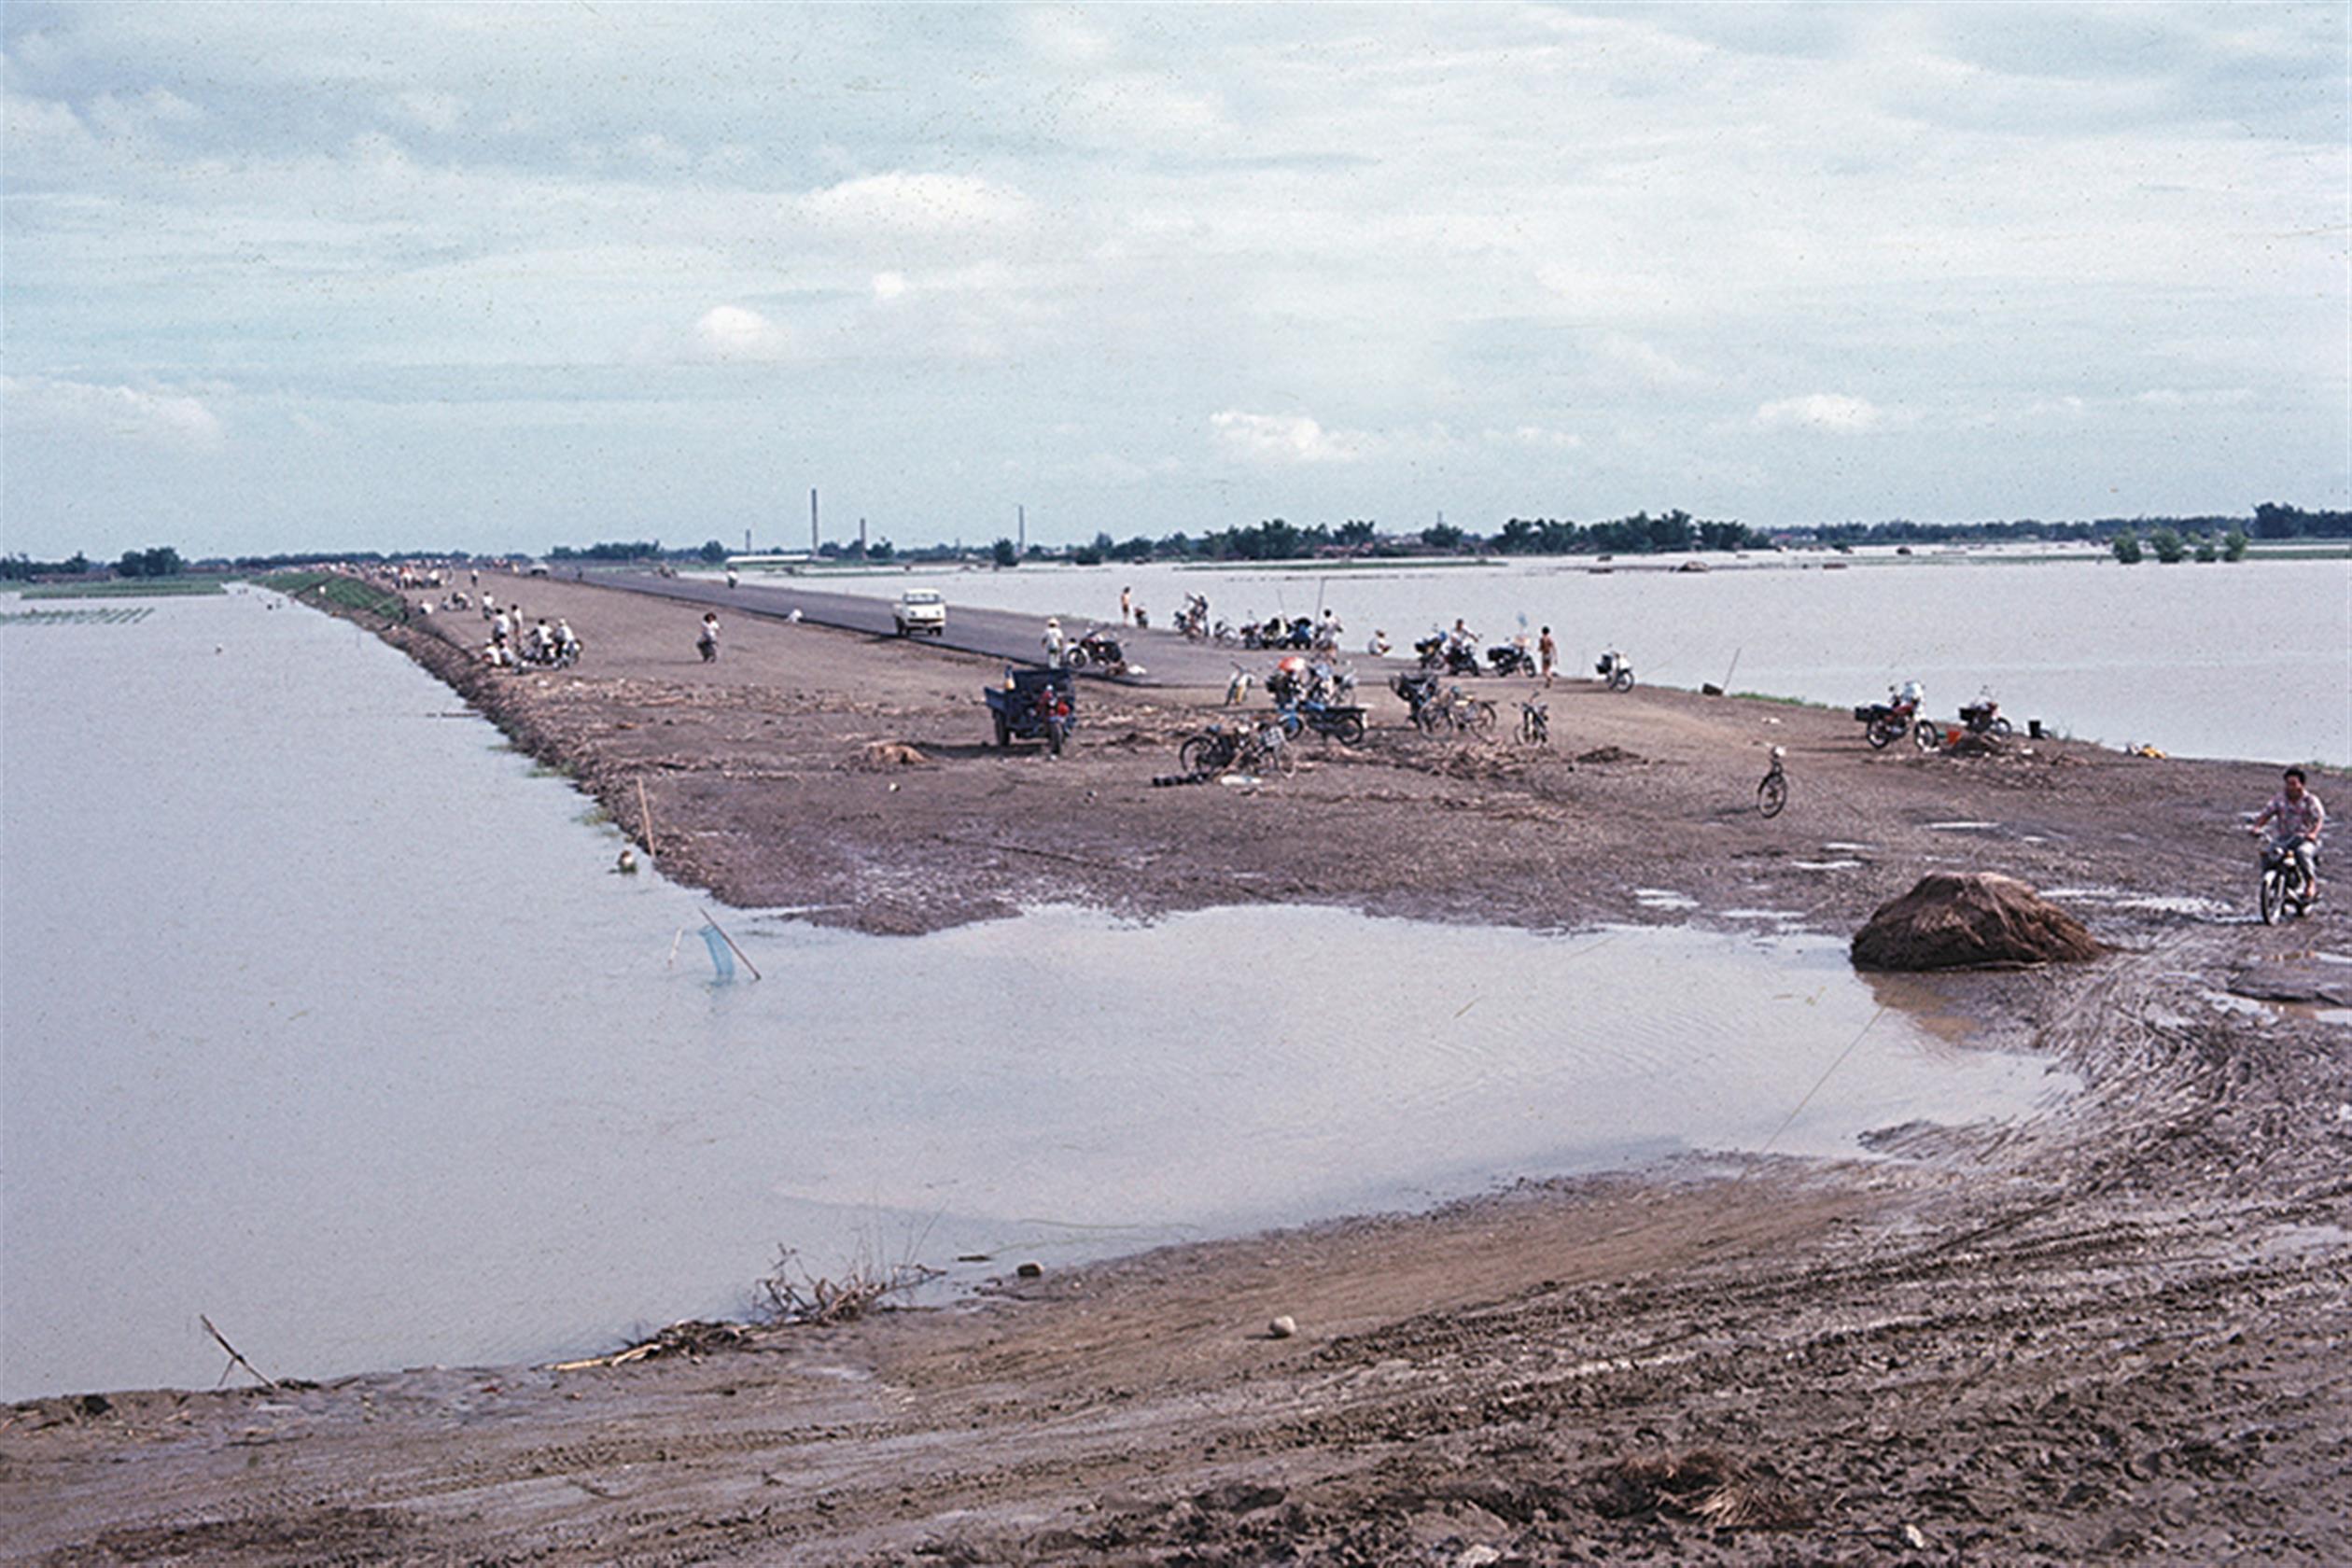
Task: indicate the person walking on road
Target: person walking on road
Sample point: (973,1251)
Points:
(707,644)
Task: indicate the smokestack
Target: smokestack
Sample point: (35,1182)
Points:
(814,539)
(1022,527)
(861,544)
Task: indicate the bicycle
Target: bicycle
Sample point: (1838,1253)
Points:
(1772,793)
(1266,748)
(1534,724)
(1474,715)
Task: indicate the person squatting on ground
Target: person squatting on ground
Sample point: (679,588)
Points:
(2294,817)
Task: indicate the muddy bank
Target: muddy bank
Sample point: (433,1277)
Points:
(2110,1334)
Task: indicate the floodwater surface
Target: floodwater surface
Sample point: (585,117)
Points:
(327,1017)
(2249,659)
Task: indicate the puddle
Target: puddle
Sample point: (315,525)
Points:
(1782,915)
(1825,865)
(1663,898)
(2154,903)
(1839,847)
(1964,827)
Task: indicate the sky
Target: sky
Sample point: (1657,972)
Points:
(285,277)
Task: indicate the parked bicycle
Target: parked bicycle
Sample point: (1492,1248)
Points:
(1534,724)
(1456,712)
(1772,793)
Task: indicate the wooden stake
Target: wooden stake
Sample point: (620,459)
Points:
(234,1359)
(645,815)
(731,942)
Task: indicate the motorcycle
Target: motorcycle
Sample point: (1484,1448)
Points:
(2283,885)
(1509,658)
(1983,717)
(1612,667)
(1279,634)
(1898,716)
(1342,724)
(1102,650)
(1420,693)
(1442,654)
(1193,620)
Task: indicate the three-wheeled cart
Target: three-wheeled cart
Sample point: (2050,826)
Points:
(1034,704)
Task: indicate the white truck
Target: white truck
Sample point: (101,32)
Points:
(921,609)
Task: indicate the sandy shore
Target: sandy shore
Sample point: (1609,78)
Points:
(2113,1334)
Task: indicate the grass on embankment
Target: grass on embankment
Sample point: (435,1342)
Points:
(334,588)
(127,588)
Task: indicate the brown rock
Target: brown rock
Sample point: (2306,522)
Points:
(1951,919)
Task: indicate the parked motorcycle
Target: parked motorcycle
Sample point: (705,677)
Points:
(1612,668)
(1509,659)
(1342,724)
(1102,651)
(1440,654)
(1898,716)
(1983,717)
(1419,692)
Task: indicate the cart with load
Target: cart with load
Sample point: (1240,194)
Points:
(1034,704)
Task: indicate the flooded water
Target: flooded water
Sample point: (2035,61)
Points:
(325,1016)
(2251,659)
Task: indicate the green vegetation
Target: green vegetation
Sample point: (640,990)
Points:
(130,588)
(2166,543)
(2126,546)
(1781,701)
(334,588)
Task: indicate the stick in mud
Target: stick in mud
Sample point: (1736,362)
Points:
(731,943)
(645,815)
(234,1358)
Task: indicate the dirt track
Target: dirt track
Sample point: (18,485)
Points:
(2114,1334)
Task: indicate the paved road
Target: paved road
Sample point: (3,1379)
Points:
(1015,637)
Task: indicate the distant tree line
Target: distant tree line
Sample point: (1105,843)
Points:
(1275,538)
(23,569)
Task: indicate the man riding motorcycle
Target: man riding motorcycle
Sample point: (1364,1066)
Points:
(2294,817)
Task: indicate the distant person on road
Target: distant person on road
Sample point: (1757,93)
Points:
(1055,646)
(708,643)
(731,577)
(1546,656)
(2294,817)
(1127,607)
(1379,645)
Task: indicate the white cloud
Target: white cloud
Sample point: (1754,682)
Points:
(916,204)
(2173,397)
(434,111)
(1832,413)
(733,334)
(1537,436)
(1276,438)
(1645,361)
(144,416)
